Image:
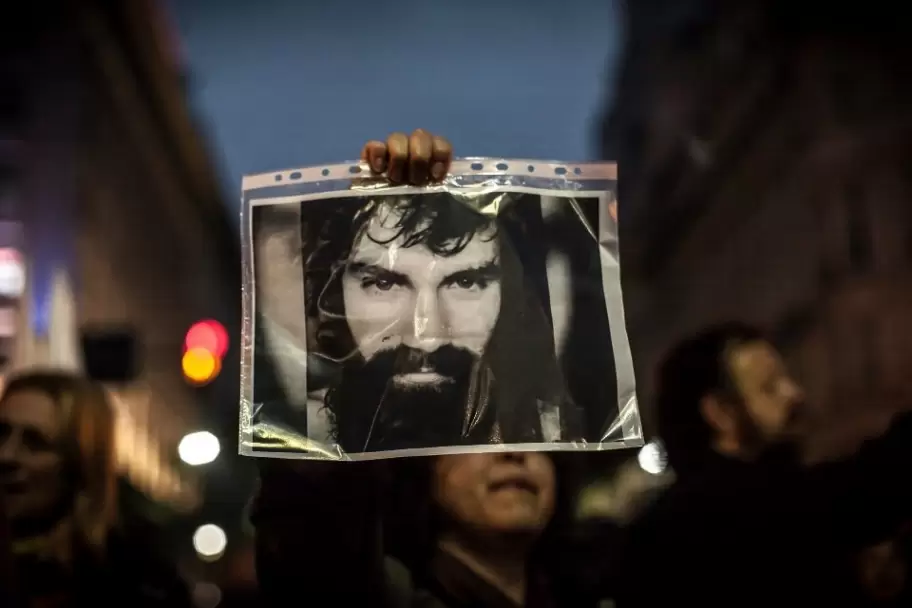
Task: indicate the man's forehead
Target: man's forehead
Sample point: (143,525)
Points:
(752,358)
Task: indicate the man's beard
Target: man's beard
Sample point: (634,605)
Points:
(371,410)
(784,447)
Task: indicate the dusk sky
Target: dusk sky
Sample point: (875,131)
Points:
(279,83)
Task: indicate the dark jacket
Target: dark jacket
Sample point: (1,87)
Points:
(7,572)
(771,533)
(128,575)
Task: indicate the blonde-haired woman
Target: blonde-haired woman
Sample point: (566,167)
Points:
(57,472)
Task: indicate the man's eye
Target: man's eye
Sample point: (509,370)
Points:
(472,283)
(379,284)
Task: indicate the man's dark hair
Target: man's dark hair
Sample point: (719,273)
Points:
(696,368)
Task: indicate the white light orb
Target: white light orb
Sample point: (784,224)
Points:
(209,541)
(652,458)
(206,595)
(199,448)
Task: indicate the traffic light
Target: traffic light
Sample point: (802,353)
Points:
(204,346)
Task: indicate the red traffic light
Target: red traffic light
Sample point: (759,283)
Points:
(209,336)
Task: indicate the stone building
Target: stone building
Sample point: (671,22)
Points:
(762,151)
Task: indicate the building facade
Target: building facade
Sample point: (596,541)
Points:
(112,188)
(760,153)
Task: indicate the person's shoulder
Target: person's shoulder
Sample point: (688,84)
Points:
(728,482)
(396,572)
(402,590)
(715,507)
(137,570)
(656,513)
(683,508)
(674,539)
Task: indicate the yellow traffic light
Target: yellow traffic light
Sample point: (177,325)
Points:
(200,365)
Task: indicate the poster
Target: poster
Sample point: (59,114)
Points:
(480,314)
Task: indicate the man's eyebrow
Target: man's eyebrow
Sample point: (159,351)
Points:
(486,270)
(366,268)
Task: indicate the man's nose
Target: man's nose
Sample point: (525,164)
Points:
(428,327)
(794,393)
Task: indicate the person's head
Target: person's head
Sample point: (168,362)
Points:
(882,571)
(415,273)
(57,454)
(423,273)
(509,503)
(278,244)
(508,493)
(725,390)
(407,291)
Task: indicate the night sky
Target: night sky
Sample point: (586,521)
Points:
(277,84)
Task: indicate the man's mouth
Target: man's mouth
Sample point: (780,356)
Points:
(420,378)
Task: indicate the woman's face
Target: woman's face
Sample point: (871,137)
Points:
(31,464)
(509,492)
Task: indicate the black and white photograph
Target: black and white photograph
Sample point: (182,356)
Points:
(425,322)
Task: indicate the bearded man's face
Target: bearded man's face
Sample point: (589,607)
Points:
(420,321)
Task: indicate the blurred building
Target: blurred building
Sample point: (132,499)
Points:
(12,283)
(106,177)
(760,148)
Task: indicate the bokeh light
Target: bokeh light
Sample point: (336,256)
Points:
(201,447)
(209,541)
